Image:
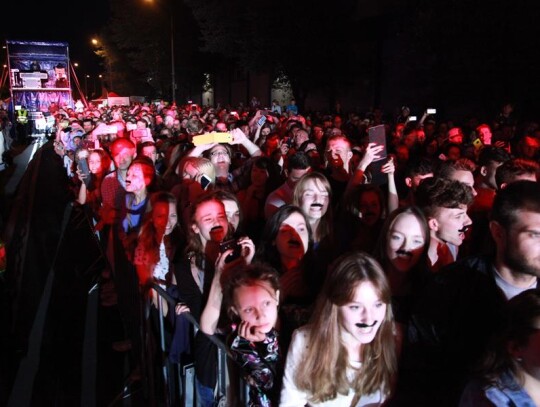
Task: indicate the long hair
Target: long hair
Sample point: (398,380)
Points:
(323,368)
(522,313)
(380,249)
(149,240)
(267,251)
(325,224)
(194,247)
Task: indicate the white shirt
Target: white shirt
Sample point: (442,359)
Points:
(294,397)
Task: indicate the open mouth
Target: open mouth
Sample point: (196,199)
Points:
(294,243)
(216,231)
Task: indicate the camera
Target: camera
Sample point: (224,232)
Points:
(231,244)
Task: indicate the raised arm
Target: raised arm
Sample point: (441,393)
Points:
(371,153)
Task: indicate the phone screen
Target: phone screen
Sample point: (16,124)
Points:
(205,181)
(377,135)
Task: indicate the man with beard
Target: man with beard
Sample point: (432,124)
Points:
(462,306)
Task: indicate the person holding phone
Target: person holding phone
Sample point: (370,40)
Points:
(220,154)
(193,275)
(98,164)
(198,175)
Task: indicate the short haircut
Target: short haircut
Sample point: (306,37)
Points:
(121,143)
(140,146)
(227,147)
(434,193)
(298,161)
(421,166)
(513,168)
(519,195)
(339,137)
(492,154)
(448,168)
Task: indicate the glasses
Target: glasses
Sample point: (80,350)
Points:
(218,153)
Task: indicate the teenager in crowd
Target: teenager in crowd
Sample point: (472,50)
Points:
(346,355)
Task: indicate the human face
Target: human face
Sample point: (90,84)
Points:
(300,137)
(450,224)
(257,304)
(292,238)
(484,133)
(370,208)
(150,152)
(365,308)
(295,175)
(87,126)
(522,243)
(135,179)
(164,217)
(340,148)
(454,153)
(465,177)
(318,133)
(233,212)
(405,242)
(211,222)
(455,136)
(220,157)
(258,176)
(123,158)
(94,163)
(314,200)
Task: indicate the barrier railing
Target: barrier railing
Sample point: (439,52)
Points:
(180,387)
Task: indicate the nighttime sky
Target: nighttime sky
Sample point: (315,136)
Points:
(73,22)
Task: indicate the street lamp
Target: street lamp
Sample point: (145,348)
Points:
(104,54)
(171,34)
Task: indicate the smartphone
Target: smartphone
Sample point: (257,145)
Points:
(213,137)
(431,111)
(205,181)
(412,119)
(261,121)
(223,138)
(377,135)
(477,143)
(83,166)
(231,244)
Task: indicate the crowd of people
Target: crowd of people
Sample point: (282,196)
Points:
(339,268)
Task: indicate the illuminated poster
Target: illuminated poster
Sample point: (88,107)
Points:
(39,73)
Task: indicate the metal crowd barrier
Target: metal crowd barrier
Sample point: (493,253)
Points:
(179,381)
